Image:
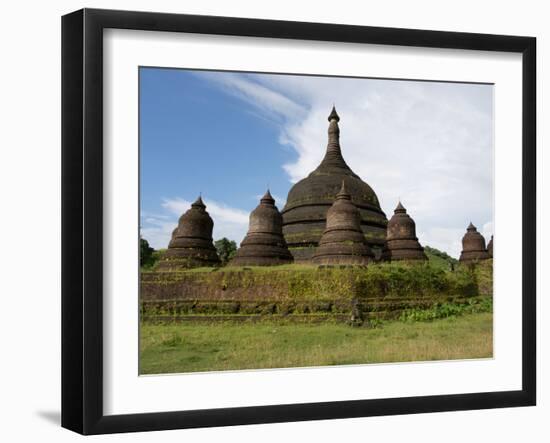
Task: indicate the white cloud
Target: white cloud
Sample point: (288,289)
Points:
(429,144)
(157,229)
(444,239)
(218,210)
(265,99)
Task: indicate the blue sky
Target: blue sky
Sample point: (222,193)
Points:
(195,138)
(230,135)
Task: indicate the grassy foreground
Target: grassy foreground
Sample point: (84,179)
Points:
(169,348)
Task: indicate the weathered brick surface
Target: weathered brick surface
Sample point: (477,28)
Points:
(328,293)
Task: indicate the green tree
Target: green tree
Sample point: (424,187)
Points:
(226,249)
(145,253)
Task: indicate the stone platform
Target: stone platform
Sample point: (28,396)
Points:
(306,293)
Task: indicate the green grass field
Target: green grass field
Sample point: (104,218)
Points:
(191,347)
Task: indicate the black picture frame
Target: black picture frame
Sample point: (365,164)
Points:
(82,218)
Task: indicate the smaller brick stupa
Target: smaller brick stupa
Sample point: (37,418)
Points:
(401,240)
(343,241)
(473,246)
(490,247)
(264,244)
(191,243)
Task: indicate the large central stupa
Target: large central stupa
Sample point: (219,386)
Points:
(305,212)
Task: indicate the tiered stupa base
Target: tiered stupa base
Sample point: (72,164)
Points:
(474,256)
(342,248)
(175,259)
(262,250)
(404,250)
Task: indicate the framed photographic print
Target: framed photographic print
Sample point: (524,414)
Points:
(269,221)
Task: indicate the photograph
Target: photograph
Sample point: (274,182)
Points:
(275,221)
(294,221)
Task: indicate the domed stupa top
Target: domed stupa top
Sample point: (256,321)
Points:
(401,241)
(343,241)
(305,212)
(490,247)
(191,243)
(264,244)
(473,246)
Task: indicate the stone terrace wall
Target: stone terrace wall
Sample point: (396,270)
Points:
(306,293)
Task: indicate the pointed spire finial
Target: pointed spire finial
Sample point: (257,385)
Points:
(343,193)
(333,156)
(400,209)
(199,202)
(471,227)
(333,115)
(267,198)
(334,135)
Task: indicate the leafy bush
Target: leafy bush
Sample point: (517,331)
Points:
(445,310)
